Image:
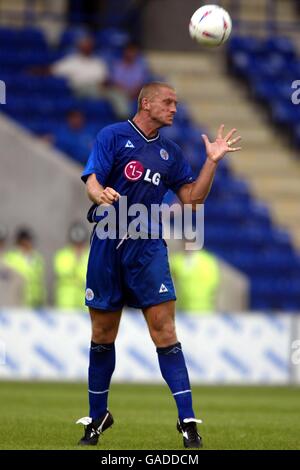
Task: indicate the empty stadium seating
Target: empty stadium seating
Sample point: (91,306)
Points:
(269,66)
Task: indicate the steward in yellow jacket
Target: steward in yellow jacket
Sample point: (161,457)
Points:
(29,263)
(70,265)
(196,277)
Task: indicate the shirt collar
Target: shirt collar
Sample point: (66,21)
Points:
(139,131)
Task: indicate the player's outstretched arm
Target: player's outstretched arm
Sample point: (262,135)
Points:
(196,192)
(98,194)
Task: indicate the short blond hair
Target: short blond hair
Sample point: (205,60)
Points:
(150,90)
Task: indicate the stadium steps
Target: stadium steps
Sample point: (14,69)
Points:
(17,11)
(257,10)
(50,16)
(213,98)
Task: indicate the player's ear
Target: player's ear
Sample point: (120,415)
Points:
(146,104)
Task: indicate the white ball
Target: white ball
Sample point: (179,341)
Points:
(210,25)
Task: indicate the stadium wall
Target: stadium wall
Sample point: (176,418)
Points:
(223,348)
(165,25)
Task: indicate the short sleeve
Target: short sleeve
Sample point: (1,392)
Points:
(101,158)
(181,172)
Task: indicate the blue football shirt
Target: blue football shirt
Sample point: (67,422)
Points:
(140,168)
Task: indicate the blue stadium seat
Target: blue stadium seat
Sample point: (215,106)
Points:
(284,112)
(247,44)
(97,108)
(112,38)
(282,45)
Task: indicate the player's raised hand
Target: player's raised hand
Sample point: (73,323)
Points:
(109,196)
(215,151)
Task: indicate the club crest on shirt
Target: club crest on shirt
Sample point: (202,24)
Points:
(89,294)
(164,154)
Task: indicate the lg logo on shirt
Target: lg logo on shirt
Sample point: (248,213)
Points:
(134,171)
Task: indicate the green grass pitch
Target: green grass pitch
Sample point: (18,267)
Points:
(43,415)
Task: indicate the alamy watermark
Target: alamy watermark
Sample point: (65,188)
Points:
(178,222)
(295,357)
(2,92)
(296,94)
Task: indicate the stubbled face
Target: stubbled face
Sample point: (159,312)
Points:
(162,106)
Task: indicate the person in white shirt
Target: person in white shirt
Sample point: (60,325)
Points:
(88,76)
(85,71)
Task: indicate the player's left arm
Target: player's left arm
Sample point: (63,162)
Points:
(196,192)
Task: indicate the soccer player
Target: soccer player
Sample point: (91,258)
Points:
(132,159)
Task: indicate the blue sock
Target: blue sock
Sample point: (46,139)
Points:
(174,371)
(102,365)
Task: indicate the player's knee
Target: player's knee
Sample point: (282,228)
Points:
(103,333)
(163,335)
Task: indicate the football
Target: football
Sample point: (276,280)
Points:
(210,25)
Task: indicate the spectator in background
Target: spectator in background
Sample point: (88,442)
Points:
(29,263)
(75,137)
(3,238)
(88,76)
(70,266)
(196,276)
(130,72)
(85,71)
(11,283)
